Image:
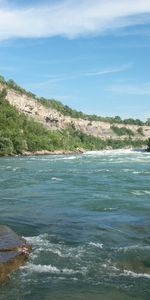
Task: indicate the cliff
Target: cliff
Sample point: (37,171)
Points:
(54,120)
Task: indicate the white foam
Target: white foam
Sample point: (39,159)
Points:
(108,152)
(56,179)
(69,157)
(140,192)
(136,193)
(97,245)
(127,170)
(39,240)
(33,268)
(141,172)
(99,170)
(41,243)
(40,268)
(132,247)
(120,155)
(147,192)
(133,274)
(110,208)
(49,249)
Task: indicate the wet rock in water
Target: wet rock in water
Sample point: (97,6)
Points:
(13,252)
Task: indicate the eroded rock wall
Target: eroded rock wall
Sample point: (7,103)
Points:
(54,120)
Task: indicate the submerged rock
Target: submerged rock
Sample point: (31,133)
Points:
(13,252)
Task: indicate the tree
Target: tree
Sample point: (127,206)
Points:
(6,146)
(2,79)
(20,145)
(11,83)
(148,144)
(140,131)
(117,119)
(3,94)
(148,122)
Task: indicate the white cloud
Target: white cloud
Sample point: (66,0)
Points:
(70,18)
(130,89)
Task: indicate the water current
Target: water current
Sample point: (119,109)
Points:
(87,218)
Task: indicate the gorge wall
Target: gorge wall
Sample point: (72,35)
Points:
(54,120)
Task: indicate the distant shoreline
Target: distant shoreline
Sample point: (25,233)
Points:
(55,152)
(68,152)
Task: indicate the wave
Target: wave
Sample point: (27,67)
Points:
(97,245)
(42,243)
(108,152)
(133,274)
(113,270)
(140,192)
(132,247)
(69,157)
(56,179)
(52,269)
(119,155)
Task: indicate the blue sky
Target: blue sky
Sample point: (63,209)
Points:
(92,55)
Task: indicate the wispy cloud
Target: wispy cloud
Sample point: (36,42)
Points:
(130,89)
(50,81)
(70,18)
(110,71)
(54,79)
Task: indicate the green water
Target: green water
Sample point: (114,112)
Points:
(87,218)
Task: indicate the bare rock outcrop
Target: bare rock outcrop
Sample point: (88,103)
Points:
(13,252)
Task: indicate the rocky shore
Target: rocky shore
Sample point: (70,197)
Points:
(13,252)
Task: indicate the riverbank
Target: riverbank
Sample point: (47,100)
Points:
(77,151)
(55,152)
(70,152)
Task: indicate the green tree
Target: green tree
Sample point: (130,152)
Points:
(148,122)
(140,131)
(6,146)
(2,79)
(3,94)
(11,83)
(148,145)
(20,144)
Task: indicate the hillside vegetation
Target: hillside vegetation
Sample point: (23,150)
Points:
(18,134)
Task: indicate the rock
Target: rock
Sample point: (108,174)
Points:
(13,252)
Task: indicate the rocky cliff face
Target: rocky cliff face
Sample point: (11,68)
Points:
(54,120)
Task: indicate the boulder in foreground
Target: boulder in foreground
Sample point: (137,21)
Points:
(13,252)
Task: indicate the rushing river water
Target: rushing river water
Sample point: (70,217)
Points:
(87,218)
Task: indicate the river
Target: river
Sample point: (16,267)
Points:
(87,218)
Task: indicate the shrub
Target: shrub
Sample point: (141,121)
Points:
(6,146)
(140,131)
(122,131)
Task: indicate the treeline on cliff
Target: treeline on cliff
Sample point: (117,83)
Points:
(67,111)
(19,133)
